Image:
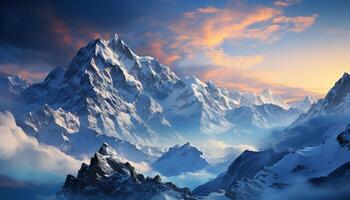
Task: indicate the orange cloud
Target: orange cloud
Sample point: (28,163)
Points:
(204,31)
(61,29)
(297,24)
(221,59)
(286,3)
(208,10)
(199,36)
(211,29)
(251,82)
(156,48)
(64,33)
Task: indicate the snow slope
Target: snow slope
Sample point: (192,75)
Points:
(294,168)
(10,89)
(180,159)
(246,165)
(327,117)
(304,104)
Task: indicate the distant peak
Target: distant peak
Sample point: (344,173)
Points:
(106,150)
(193,80)
(116,36)
(187,145)
(115,39)
(210,83)
(346,75)
(266,92)
(310,99)
(345,79)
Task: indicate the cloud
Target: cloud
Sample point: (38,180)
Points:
(296,24)
(141,167)
(286,3)
(191,35)
(156,48)
(30,74)
(190,179)
(23,158)
(223,60)
(219,151)
(207,29)
(201,41)
(243,147)
(248,81)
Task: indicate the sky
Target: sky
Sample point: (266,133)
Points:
(293,47)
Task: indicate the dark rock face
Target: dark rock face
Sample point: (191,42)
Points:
(344,138)
(107,177)
(338,177)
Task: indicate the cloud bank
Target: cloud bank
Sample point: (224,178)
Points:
(23,158)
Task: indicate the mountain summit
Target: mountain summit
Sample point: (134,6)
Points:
(108,93)
(191,159)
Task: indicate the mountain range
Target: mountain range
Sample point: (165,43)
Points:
(108,93)
(313,156)
(141,108)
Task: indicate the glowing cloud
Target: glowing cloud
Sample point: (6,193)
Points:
(204,37)
(286,3)
(205,30)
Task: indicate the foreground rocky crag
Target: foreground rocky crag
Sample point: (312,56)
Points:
(107,177)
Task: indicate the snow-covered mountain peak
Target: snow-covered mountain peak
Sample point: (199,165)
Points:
(111,92)
(266,92)
(310,99)
(107,150)
(212,85)
(346,76)
(14,84)
(337,100)
(340,92)
(120,47)
(184,147)
(192,160)
(267,96)
(303,104)
(114,38)
(109,178)
(192,80)
(187,145)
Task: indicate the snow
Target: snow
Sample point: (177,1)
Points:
(109,172)
(304,104)
(191,160)
(215,196)
(110,93)
(14,84)
(268,97)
